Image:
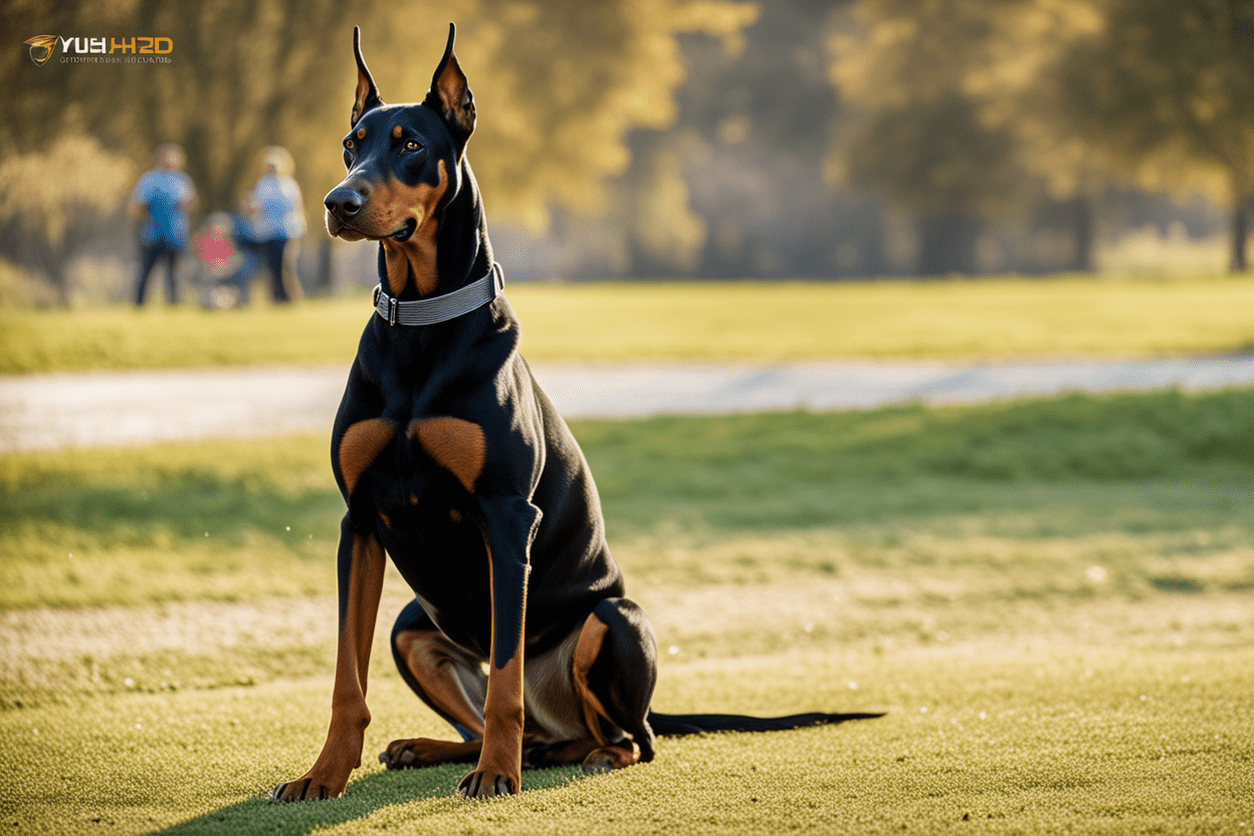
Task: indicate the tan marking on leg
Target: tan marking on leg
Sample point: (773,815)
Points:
(617,756)
(499,771)
(563,754)
(421,651)
(341,753)
(360,446)
(457,446)
(591,637)
(423,751)
(501,757)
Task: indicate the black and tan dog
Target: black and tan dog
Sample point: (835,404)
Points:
(452,460)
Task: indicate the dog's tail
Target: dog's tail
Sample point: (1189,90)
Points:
(677,725)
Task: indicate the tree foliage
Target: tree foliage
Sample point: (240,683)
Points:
(50,199)
(951,130)
(1164,93)
(562,82)
(979,109)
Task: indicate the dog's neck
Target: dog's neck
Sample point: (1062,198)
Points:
(447,251)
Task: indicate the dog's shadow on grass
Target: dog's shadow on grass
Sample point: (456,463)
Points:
(437,785)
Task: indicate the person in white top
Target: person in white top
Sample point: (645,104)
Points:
(277,216)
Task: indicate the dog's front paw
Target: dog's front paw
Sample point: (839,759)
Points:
(487,783)
(309,787)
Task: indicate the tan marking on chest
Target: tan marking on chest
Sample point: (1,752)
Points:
(457,446)
(360,446)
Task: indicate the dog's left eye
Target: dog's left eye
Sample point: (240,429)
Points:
(412,146)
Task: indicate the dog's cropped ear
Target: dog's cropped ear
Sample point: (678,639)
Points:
(367,93)
(450,96)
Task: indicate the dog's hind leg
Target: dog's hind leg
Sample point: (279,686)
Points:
(449,680)
(615,670)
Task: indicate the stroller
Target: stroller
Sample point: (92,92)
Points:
(227,256)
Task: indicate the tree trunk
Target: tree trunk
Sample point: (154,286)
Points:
(58,273)
(324,281)
(947,244)
(1239,263)
(1082,261)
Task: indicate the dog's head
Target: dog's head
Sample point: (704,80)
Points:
(404,161)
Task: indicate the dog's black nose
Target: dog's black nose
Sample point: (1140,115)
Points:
(344,202)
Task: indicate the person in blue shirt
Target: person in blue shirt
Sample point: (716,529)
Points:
(277,216)
(162,197)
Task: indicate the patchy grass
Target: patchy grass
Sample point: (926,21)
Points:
(1008,735)
(1050,599)
(682,321)
(218,520)
(246,519)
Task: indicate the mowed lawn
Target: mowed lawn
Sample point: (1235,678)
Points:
(641,321)
(1052,600)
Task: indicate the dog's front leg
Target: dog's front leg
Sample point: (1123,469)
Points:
(509,525)
(361,565)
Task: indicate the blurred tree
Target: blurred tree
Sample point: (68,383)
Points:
(921,141)
(734,186)
(242,75)
(756,119)
(1019,91)
(49,201)
(1163,90)
(559,84)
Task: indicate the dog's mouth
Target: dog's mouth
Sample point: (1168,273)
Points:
(338,228)
(405,232)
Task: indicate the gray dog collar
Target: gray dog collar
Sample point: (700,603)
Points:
(440,308)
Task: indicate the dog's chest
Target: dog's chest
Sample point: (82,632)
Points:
(430,458)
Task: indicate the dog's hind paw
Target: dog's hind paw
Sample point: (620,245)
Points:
(418,752)
(611,757)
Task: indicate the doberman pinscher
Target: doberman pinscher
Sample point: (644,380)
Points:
(454,462)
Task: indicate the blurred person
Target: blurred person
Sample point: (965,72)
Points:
(249,253)
(163,196)
(277,216)
(227,261)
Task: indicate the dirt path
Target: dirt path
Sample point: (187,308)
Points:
(82,410)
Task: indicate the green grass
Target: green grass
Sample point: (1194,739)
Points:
(1108,740)
(618,322)
(1049,598)
(238,519)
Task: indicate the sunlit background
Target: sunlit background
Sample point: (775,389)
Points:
(1048,592)
(709,139)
